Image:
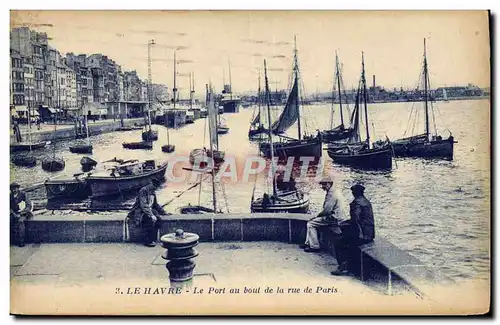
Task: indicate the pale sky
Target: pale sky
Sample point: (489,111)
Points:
(392,41)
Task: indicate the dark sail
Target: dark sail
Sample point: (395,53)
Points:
(256,120)
(290,114)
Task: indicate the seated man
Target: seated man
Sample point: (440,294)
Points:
(359,230)
(331,215)
(146,212)
(20,210)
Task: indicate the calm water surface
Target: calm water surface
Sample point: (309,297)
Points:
(439,211)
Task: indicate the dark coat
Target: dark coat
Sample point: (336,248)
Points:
(362,216)
(143,207)
(15,201)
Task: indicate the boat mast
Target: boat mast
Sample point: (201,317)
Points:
(87,129)
(339,90)
(363,80)
(29,126)
(269,131)
(230,83)
(258,101)
(150,85)
(296,72)
(190,92)
(175,73)
(425,94)
(209,101)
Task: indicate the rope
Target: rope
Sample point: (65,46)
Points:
(180,194)
(225,196)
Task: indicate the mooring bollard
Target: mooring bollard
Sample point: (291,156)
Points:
(180,253)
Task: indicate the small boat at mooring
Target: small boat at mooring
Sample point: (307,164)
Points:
(24,160)
(53,164)
(28,146)
(125,177)
(425,145)
(138,145)
(285,197)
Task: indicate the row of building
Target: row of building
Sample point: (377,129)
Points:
(46,82)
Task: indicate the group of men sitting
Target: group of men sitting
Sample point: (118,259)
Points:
(147,212)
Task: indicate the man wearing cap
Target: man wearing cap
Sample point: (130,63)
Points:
(146,212)
(20,210)
(359,230)
(330,216)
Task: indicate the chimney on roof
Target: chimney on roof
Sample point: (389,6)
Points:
(374,82)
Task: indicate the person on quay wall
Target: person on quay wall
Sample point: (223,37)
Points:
(331,215)
(146,212)
(21,210)
(357,231)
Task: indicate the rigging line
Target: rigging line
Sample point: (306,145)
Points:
(432,108)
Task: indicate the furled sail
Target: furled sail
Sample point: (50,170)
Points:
(212,120)
(290,114)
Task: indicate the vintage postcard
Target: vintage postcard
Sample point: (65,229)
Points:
(250,162)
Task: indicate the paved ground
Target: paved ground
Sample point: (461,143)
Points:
(100,278)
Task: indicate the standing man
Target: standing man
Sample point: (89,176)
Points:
(20,210)
(357,231)
(146,212)
(331,215)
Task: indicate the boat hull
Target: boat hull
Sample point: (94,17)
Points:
(230,106)
(101,186)
(151,135)
(53,164)
(27,146)
(336,135)
(380,158)
(67,189)
(295,148)
(418,147)
(24,161)
(295,204)
(168,148)
(195,209)
(81,149)
(222,130)
(138,145)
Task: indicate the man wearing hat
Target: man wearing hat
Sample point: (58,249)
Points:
(146,212)
(20,210)
(331,215)
(359,230)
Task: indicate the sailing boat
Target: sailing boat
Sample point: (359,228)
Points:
(222,127)
(286,200)
(309,146)
(339,132)
(425,145)
(256,126)
(53,164)
(25,160)
(30,144)
(213,152)
(357,153)
(83,147)
(215,159)
(170,147)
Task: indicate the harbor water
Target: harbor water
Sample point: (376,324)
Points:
(439,211)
